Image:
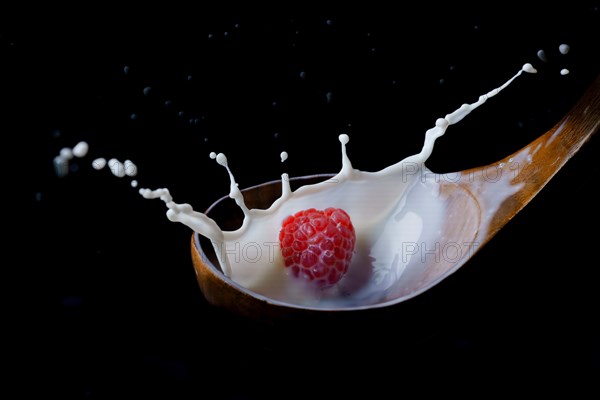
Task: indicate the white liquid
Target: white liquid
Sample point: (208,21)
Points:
(564,48)
(116,167)
(542,55)
(99,163)
(398,214)
(66,154)
(130,168)
(564,71)
(80,149)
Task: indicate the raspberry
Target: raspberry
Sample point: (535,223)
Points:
(317,245)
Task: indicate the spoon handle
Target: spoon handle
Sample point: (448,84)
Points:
(517,178)
(580,123)
(553,149)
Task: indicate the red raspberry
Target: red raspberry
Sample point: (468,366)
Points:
(317,245)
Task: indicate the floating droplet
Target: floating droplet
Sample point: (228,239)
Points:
(61,166)
(529,68)
(542,55)
(130,168)
(116,167)
(99,163)
(66,153)
(81,149)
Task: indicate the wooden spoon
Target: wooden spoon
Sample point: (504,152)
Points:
(479,202)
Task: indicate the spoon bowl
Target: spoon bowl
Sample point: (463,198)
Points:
(477,203)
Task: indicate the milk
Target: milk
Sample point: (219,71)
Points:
(398,214)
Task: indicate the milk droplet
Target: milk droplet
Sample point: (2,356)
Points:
(284,156)
(130,168)
(221,159)
(66,153)
(81,149)
(564,48)
(61,166)
(564,71)
(529,68)
(99,163)
(147,91)
(542,55)
(116,167)
(134,183)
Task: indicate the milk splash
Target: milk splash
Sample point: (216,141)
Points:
(398,214)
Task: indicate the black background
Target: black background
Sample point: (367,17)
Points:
(107,296)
